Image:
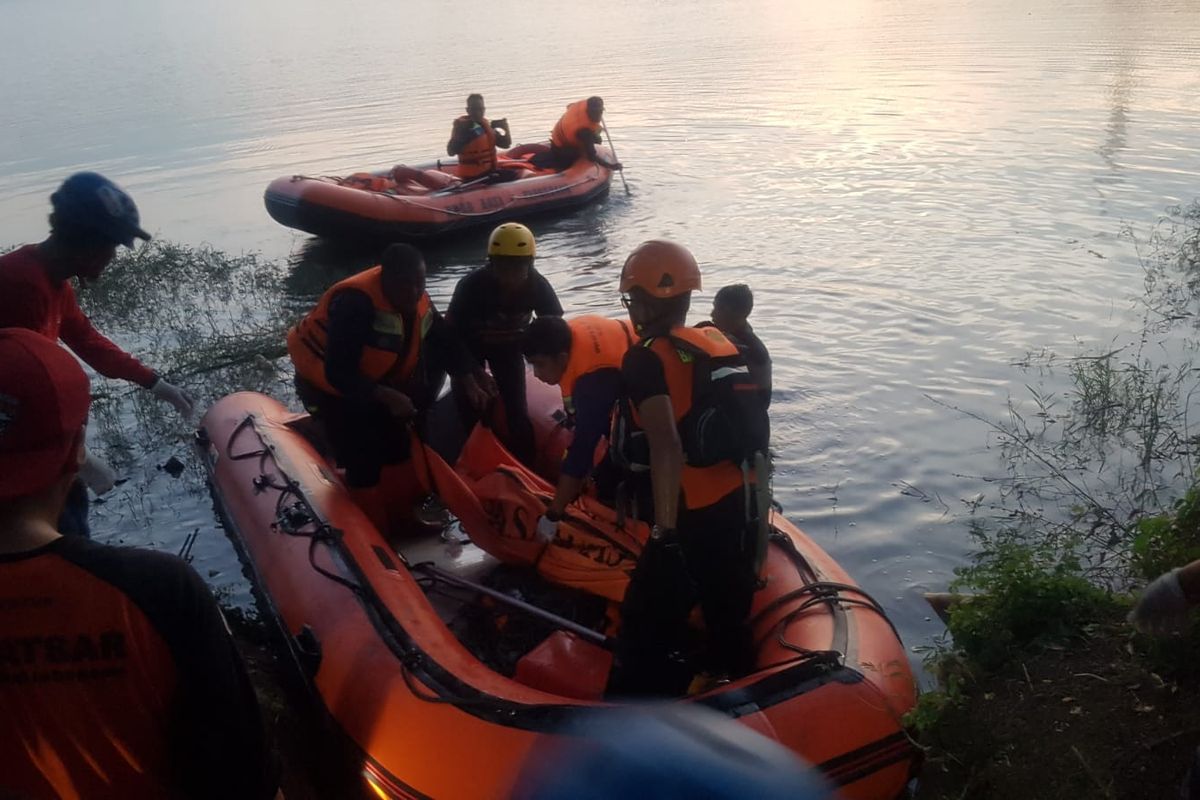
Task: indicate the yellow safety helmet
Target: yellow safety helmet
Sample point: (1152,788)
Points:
(512,239)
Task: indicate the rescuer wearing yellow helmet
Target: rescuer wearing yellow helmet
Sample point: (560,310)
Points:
(491,309)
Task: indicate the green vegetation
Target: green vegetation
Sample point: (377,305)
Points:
(213,323)
(1167,540)
(1099,493)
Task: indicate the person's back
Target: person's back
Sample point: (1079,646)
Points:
(118,677)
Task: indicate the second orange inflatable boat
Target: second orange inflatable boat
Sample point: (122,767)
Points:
(430,200)
(424,662)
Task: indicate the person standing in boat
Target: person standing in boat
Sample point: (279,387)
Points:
(687,391)
(474,139)
(90,217)
(491,309)
(583,358)
(369,359)
(576,135)
(118,676)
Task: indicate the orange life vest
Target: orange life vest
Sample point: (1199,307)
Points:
(566,132)
(702,486)
(369,182)
(392,353)
(596,343)
(478,156)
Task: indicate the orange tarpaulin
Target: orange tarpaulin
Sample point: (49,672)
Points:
(498,502)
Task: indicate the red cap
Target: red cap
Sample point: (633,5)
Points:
(44,399)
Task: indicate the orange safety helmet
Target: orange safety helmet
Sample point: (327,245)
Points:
(661,268)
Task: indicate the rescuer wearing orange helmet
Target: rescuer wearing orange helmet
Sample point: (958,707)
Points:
(688,391)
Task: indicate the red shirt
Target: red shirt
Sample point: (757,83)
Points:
(29,298)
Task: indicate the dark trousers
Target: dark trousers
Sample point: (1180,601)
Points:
(558,158)
(507,366)
(711,561)
(74,518)
(363,435)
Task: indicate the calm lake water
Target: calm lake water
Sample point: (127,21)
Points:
(918,192)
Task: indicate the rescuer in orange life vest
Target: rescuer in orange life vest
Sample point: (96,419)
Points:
(474,140)
(582,357)
(370,358)
(689,392)
(118,677)
(576,135)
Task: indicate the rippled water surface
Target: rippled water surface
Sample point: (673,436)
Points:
(919,193)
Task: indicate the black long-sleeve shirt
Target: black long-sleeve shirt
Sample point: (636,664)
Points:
(594,396)
(486,317)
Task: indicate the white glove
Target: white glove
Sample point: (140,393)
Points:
(169,393)
(547,529)
(1162,608)
(97,475)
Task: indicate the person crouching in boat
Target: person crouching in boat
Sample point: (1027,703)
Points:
(688,394)
(582,357)
(118,677)
(576,135)
(491,309)
(474,139)
(369,360)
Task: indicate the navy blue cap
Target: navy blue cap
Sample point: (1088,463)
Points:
(90,200)
(671,752)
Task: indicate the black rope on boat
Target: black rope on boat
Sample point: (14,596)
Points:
(248,422)
(819,592)
(321,533)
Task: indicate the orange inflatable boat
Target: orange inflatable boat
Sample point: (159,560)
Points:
(445,660)
(430,200)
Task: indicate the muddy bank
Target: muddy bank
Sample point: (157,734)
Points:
(1105,715)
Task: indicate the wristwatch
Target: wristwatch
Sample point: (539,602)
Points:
(659,532)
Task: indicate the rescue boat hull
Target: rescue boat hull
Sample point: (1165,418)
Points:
(334,208)
(415,705)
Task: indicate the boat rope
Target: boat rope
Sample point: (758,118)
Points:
(301,520)
(334,178)
(821,592)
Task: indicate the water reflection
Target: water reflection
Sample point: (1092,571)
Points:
(912,190)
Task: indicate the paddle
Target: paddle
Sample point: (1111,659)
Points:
(461,186)
(582,631)
(614,152)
